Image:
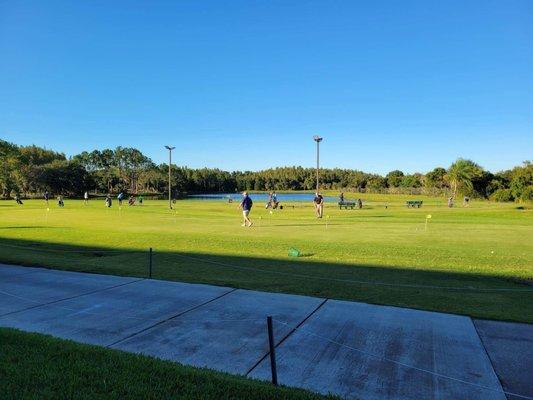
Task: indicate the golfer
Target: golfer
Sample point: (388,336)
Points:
(269,202)
(318,202)
(246,205)
(119,198)
(86,198)
(46,197)
(108,201)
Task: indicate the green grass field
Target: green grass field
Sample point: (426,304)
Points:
(476,261)
(41,367)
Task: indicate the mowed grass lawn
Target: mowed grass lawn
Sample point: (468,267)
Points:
(476,261)
(41,367)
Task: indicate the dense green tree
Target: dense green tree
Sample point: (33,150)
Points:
(64,177)
(376,182)
(521,182)
(31,170)
(31,159)
(502,195)
(411,181)
(461,174)
(9,163)
(394,178)
(481,183)
(436,178)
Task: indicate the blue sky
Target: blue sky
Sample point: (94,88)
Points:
(246,84)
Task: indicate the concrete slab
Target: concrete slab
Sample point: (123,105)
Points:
(510,348)
(322,355)
(7,271)
(20,291)
(108,316)
(228,334)
(354,350)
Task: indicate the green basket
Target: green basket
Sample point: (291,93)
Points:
(294,252)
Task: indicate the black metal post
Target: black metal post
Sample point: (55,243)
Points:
(150,265)
(272,351)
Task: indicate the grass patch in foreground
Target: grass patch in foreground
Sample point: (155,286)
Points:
(40,366)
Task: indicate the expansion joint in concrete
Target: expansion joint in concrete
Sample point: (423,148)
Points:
(72,297)
(170,318)
(488,357)
(287,336)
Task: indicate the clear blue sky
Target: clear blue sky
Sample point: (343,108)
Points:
(246,84)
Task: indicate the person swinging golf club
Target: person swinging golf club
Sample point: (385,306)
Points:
(318,202)
(246,205)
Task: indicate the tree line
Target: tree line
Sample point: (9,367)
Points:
(32,170)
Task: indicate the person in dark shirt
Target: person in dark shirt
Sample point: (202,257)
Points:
(246,205)
(318,202)
(46,197)
(341,197)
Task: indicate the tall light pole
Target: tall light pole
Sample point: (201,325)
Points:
(169,148)
(317,139)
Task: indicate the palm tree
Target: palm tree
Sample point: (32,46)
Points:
(460,175)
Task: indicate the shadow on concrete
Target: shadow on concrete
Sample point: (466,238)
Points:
(481,296)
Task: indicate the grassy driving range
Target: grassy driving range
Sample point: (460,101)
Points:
(377,254)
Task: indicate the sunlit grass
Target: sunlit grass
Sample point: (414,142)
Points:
(486,245)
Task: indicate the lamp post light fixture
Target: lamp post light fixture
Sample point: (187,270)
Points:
(317,139)
(169,148)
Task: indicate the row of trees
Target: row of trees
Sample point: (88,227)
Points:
(31,170)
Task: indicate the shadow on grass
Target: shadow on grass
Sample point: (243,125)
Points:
(481,296)
(306,255)
(31,227)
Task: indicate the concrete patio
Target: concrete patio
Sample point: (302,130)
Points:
(354,350)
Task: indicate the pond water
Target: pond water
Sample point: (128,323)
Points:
(260,197)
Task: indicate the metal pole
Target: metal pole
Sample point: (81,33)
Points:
(150,265)
(169,187)
(317,163)
(169,148)
(317,139)
(273,368)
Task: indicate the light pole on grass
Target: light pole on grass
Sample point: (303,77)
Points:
(317,139)
(169,148)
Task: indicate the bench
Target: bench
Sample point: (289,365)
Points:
(347,204)
(413,203)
